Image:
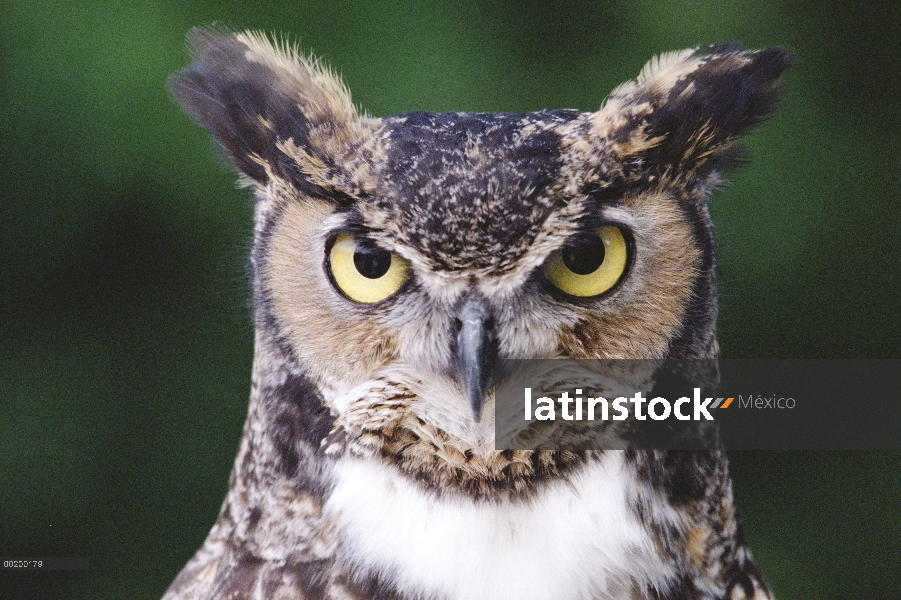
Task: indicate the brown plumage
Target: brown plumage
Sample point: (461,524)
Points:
(367,468)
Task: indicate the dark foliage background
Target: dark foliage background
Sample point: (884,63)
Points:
(125,338)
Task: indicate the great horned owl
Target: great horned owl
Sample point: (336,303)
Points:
(394,260)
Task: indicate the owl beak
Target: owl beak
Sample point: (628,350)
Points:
(475,352)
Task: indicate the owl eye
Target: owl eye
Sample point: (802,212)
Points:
(590,266)
(363,272)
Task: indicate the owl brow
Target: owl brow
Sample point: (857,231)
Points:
(593,219)
(607,192)
(342,201)
(353,225)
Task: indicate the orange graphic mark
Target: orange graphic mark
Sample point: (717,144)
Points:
(727,403)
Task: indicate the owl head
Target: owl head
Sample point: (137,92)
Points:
(395,259)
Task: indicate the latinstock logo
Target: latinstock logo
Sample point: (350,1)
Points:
(697,404)
(579,408)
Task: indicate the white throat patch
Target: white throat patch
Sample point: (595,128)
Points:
(576,539)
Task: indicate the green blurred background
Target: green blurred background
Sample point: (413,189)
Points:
(125,336)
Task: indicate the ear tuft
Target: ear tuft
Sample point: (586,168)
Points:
(260,99)
(686,108)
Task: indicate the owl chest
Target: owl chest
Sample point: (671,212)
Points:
(577,539)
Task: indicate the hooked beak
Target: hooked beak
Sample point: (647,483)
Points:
(475,351)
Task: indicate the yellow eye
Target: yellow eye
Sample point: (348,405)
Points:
(364,272)
(589,267)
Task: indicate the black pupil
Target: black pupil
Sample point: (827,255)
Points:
(584,257)
(371,262)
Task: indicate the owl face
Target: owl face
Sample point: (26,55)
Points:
(488,221)
(396,259)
